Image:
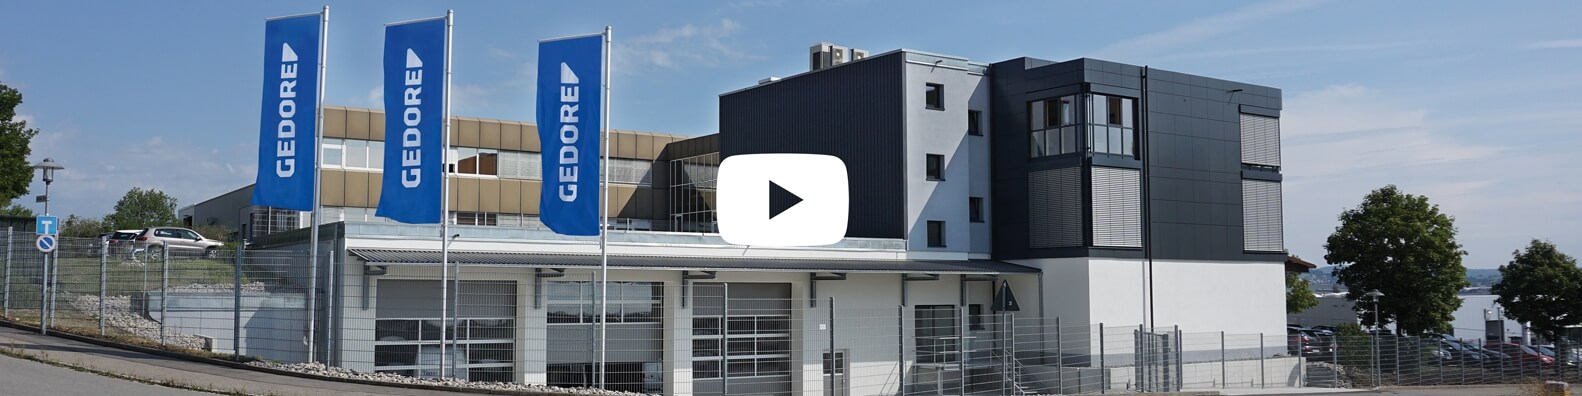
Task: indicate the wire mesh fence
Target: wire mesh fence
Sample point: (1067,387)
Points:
(486,326)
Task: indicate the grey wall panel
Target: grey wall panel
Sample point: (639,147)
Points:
(1117,207)
(852,112)
(1054,200)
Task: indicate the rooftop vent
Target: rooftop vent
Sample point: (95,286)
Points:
(767,80)
(825,55)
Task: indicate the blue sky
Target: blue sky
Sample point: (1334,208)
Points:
(1474,104)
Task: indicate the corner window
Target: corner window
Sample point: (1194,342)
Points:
(974,122)
(975,209)
(936,233)
(1112,125)
(934,96)
(1053,125)
(936,167)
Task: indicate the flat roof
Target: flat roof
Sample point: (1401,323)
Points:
(550,260)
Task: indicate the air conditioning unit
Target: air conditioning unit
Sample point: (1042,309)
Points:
(858,54)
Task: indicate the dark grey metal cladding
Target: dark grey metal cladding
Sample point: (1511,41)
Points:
(1194,144)
(1193,139)
(852,111)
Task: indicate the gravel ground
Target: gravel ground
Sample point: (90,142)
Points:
(338,372)
(119,314)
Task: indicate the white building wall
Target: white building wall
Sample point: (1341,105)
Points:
(943,132)
(1235,297)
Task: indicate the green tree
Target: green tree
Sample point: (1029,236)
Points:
(82,227)
(1403,246)
(218,232)
(15,172)
(141,208)
(1298,294)
(1542,287)
(17,210)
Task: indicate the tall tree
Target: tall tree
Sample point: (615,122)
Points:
(141,208)
(1542,287)
(82,227)
(16,210)
(1403,246)
(15,137)
(1298,293)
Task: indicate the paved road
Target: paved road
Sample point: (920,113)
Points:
(25,377)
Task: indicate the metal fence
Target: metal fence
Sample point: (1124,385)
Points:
(493,325)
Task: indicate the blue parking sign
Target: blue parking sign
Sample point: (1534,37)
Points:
(48,225)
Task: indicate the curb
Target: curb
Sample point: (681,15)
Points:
(244,366)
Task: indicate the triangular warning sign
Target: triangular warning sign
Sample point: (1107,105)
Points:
(1004,300)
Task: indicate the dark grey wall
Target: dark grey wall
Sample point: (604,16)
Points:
(1193,142)
(853,112)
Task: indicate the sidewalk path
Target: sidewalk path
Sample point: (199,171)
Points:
(159,369)
(26,377)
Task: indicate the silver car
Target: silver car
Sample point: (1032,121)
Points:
(180,240)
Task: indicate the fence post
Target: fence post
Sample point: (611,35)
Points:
(961,346)
(900,343)
(1224,379)
(1334,354)
(104,277)
(54,279)
(1180,359)
(1301,354)
(1140,345)
(7,296)
(236,304)
(1104,382)
(1060,358)
(1263,379)
(164,286)
(43,293)
(834,384)
(725,326)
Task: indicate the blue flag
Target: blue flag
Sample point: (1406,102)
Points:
(570,74)
(288,123)
(415,64)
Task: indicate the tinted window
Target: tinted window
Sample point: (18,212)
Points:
(934,96)
(936,167)
(124,235)
(936,234)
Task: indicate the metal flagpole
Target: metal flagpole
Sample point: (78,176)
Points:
(444,209)
(604,213)
(313,217)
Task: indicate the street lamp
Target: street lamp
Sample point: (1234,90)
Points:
(1378,371)
(48,167)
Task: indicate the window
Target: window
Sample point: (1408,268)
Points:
(629,302)
(974,122)
(475,161)
(936,233)
(934,96)
(935,167)
(975,209)
(1053,125)
(1260,141)
(752,339)
(1111,125)
(1263,229)
(835,363)
(333,151)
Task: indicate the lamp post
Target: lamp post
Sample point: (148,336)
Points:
(1378,372)
(46,299)
(48,167)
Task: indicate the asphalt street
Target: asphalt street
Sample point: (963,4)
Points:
(21,377)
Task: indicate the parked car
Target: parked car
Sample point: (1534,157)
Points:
(1458,352)
(180,240)
(1311,343)
(1549,351)
(1524,354)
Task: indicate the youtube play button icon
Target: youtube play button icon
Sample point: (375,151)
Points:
(782,199)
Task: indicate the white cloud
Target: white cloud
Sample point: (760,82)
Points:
(1554,44)
(497,52)
(1502,185)
(1202,29)
(678,47)
(99,171)
(376,97)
